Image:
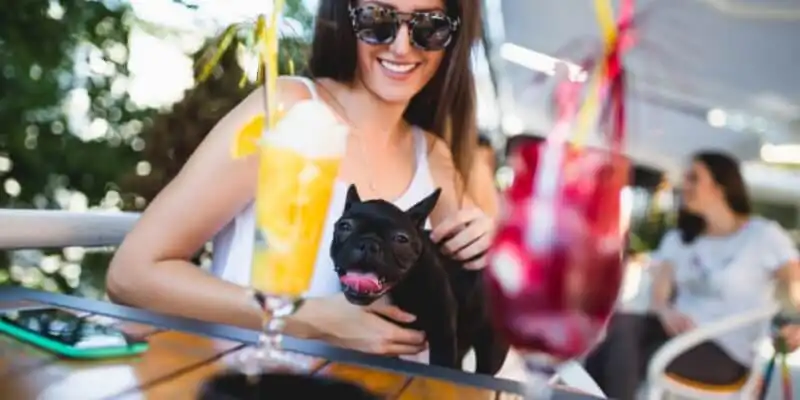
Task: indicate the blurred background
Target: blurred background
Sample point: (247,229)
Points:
(99,107)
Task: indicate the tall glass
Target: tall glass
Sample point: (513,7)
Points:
(298,168)
(556,264)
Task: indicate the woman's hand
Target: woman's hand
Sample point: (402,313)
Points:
(367,329)
(791,333)
(675,322)
(466,235)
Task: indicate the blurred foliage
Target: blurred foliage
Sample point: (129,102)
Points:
(648,227)
(55,53)
(784,214)
(40,45)
(197,113)
(646,233)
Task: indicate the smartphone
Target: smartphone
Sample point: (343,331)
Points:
(67,334)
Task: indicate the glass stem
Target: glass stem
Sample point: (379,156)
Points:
(268,353)
(538,385)
(271,337)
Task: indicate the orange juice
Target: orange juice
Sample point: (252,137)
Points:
(298,168)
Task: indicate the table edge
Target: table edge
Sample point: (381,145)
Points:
(309,347)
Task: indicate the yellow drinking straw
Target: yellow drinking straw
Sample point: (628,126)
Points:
(268,40)
(608,28)
(266,37)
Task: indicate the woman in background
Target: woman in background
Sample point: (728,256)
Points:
(720,261)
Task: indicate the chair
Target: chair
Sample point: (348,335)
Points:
(660,384)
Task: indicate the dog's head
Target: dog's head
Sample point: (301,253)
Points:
(375,244)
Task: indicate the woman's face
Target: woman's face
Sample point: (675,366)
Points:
(397,71)
(700,190)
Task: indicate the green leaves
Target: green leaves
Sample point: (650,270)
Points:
(46,48)
(217,51)
(292,49)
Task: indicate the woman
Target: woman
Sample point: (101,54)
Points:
(399,74)
(719,262)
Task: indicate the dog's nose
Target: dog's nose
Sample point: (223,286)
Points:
(369,247)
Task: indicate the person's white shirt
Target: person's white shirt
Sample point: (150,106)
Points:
(721,276)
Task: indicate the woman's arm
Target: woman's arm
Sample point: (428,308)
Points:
(789,275)
(782,256)
(663,273)
(463,228)
(455,196)
(151,269)
(482,187)
(661,286)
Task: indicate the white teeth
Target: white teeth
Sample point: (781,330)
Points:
(399,68)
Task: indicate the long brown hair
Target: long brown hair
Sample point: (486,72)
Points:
(724,170)
(445,106)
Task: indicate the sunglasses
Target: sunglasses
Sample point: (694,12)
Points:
(428,30)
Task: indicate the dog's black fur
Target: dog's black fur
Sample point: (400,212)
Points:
(376,237)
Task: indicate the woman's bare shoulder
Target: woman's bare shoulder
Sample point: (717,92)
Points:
(440,157)
(446,177)
(210,188)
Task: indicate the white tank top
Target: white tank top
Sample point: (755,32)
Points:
(233,245)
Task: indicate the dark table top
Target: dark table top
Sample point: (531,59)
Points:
(183,353)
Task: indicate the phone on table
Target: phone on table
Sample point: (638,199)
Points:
(67,334)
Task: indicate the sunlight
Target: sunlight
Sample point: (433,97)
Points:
(157,84)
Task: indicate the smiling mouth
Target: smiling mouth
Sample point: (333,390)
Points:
(398,67)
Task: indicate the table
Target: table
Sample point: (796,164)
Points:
(184,352)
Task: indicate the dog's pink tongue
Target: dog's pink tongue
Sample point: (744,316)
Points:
(361,282)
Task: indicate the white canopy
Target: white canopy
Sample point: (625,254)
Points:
(702,78)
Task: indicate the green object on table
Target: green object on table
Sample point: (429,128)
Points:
(64,349)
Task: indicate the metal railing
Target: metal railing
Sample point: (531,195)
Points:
(56,228)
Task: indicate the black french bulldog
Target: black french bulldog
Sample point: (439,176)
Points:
(378,249)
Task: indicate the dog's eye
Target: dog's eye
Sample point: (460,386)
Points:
(400,238)
(344,226)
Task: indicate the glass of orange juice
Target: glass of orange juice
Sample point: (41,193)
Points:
(298,168)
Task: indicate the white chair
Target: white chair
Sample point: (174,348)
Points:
(660,384)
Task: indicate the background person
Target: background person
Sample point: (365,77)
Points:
(720,261)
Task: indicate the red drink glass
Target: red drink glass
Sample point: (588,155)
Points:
(556,264)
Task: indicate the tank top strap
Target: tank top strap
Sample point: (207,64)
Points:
(310,85)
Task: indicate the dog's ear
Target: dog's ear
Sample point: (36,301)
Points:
(419,212)
(352,197)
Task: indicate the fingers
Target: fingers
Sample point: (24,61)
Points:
(477,264)
(670,327)
(688,323)
(399,349)
(397,335)
(393,339)
(466,236)
(671,324)
(392,312)
(451,225)
(473,252)
(677,324)
(475,249)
